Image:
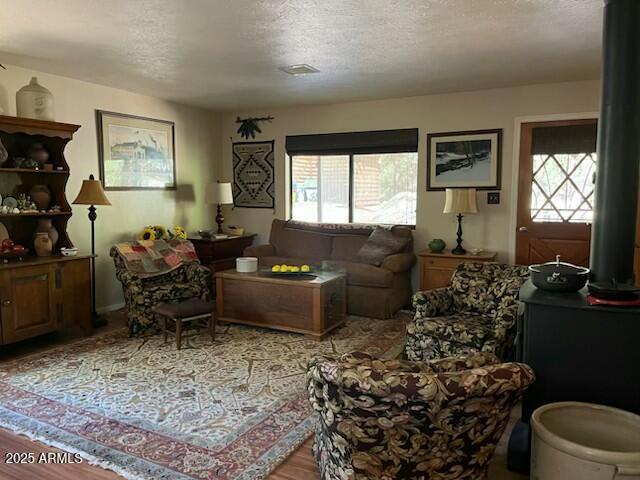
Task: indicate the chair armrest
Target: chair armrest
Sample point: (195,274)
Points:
(505,317)
(457,364)
(266,250)
(432,303)
(160,293)
(127,278)
(399,262)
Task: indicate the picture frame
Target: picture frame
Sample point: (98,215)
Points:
(467,159)
(135,153)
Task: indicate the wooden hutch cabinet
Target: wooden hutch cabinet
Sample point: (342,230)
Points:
(39,295)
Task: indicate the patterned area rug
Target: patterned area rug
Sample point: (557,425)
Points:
(230,410)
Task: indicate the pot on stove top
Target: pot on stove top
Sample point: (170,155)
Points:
(559,276)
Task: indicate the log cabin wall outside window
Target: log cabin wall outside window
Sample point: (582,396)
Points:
(360,177)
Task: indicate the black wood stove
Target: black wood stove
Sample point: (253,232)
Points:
(579,351)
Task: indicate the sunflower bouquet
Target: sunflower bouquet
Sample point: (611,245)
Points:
(179,232)
(160,232)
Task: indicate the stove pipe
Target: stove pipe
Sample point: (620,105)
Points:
(616,191)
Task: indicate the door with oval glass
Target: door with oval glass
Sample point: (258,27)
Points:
(556,191)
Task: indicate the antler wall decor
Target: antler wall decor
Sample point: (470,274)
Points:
(249,126)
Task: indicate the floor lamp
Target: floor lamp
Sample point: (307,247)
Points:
(92,194)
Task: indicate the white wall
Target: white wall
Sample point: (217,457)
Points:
(203,151)
(485,109)
(196,141)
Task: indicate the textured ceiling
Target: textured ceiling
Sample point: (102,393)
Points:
(225,54)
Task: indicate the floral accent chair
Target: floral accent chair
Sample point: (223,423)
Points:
(390,419)
(476,313)
(142,294)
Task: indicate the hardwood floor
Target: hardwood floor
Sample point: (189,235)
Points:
(11,443)
(299,466)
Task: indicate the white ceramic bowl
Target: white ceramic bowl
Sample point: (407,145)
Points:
(69,252)
(246,264)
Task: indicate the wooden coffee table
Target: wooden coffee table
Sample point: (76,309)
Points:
(313,306)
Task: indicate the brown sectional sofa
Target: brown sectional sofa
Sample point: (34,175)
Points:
(372,291)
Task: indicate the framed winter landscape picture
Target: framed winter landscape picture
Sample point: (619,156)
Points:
(135,153)
(469,159)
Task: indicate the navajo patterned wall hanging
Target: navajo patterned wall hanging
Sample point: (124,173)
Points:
(253,174)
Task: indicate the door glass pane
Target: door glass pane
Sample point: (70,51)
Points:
(562,187)
(385,188)
(320,188)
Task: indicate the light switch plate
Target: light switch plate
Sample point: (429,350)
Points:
(493,198)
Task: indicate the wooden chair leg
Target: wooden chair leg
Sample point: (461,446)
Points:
(164,328)
(212,326)
(178,333)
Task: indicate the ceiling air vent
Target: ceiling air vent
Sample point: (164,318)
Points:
(301,69)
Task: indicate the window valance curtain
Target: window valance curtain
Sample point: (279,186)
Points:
(564,140)
(380,141)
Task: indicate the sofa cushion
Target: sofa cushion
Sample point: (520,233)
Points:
(294,242)
(365,275)
(346,247)
(381,243)
(465,329)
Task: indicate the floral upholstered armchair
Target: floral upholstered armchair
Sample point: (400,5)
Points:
(476,313)
(389,419)
(142,294)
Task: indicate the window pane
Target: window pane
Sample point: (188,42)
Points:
(562,188)
(304,188)
(320,188)
(385,188)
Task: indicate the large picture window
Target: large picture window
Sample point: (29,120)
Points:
(346,180)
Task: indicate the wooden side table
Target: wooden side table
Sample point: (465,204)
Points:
(436,269)
(221,254)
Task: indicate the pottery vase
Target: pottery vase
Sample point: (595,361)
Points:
(34,101)
(41,196)
(43,244)
(45,225)
(38,153)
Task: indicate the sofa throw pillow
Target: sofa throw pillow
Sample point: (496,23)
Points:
(380,244)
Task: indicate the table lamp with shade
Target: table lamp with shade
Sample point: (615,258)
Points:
(459,201)
(92,194)
(219,193)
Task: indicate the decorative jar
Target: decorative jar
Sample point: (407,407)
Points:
(43,245)
(34,101)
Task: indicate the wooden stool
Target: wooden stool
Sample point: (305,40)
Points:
(184,312)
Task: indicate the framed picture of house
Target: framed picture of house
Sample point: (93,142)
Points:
(135,153)
(471,159)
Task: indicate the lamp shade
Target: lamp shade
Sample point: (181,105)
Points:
(91,193)
(460,200)
(220,193)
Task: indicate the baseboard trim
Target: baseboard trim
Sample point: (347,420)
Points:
(110,308)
